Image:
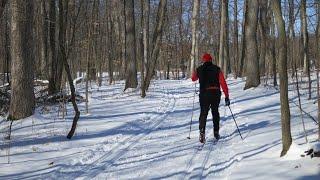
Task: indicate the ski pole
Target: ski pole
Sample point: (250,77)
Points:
(235,122)
(194,96)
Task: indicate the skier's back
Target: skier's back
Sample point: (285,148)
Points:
(211,79)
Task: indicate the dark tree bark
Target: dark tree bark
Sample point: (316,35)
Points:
(252,62)
(22,102)
(53,86)
(273,54)
(291,37)
(7,49)
(285,110)
(146,49)
(44,40)
(2,6)
(131,70)
(243,41)
(263,5)
(63,14)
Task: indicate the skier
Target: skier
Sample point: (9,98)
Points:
(211,79)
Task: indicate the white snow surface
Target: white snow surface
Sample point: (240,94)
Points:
(125,136)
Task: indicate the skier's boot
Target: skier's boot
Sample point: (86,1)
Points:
(216,135)
(202,137)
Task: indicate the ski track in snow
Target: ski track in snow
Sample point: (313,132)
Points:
(149,142)
(109,158)
(163,138)
(200,164)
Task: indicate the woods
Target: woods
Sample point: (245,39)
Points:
(60,42)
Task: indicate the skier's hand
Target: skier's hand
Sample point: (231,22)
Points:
(227,101)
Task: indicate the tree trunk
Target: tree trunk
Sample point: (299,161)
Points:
(243,41)
(285,110)
(182,61)
(61,43)
(263,5)
(156,40)
(252,62)
(109,40)
(292,37)
(305,40)
(273,54)
(210,25)
(318,63)
(146,54)
(131,70)
(235,40)
(44,40)
(224,47)
(65,50)
(194,28)
(7,49)
(22,102)
(52,41)
(89,54)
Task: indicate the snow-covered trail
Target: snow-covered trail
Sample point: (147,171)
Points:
(127,137)
(163,151)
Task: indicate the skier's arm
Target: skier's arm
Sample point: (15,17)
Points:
(223,84)
(194,76)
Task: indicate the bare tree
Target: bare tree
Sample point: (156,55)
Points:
(252,62)
(22,102)
(263,5)
(146,52)
(291,35)
(210,24)
(318,62)
(131,70)
(155,48)
(65,51)
(53,55)
(182,61)
(305,39)
(109,40)
(243,40)
(89,54)
(273,53)
(44,40)
(194,26)
(224,47)
(235,39)
(285,110)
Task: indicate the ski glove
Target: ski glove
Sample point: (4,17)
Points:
(227,101)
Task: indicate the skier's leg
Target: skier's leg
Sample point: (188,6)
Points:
(204,107)
(215,112)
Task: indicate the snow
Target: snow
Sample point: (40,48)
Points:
(125,136)
(316,147)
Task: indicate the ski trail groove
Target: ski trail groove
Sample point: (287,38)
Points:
(116,153)
(197,168)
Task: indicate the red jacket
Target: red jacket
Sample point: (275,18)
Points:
(222,82)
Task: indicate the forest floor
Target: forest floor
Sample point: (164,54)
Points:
(127,137)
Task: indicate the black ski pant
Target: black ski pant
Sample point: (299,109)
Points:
(209,99)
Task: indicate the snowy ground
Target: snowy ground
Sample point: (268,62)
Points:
(127,137)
